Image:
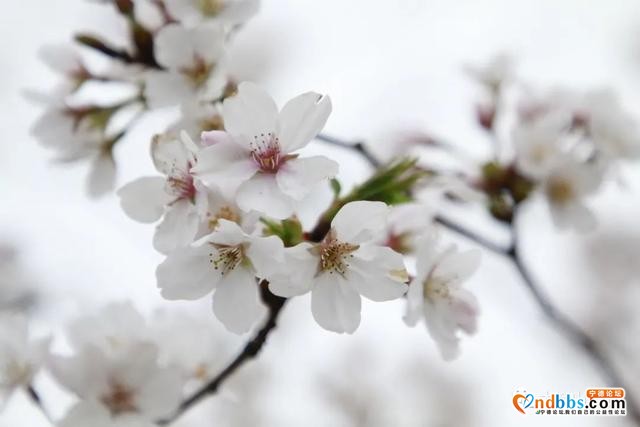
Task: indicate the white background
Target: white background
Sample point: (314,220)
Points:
(387,65)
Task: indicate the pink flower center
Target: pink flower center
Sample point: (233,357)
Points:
(265,151)
(180,184)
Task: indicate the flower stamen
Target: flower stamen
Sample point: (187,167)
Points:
(334,255)
(227,258)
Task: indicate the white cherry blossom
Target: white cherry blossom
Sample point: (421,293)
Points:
(94,414)
(406,221)
(256,154)
(192,60)
(229,261)
(348,263)
(436,295)
(230,12)
(566,186)
(20,355)
(128,386)
(175,197)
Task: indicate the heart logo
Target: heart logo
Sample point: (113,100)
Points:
(521,399)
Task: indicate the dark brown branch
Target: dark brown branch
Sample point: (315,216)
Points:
(35,398)
(250,351)
(359,147)
(95,43)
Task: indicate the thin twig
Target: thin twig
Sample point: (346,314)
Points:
(37,400)
(358,147)
(470,235)
(250,351)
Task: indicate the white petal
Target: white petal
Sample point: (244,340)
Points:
(334,304)
(144,199)
(266,255)
(464,305)
(360,221)
(173,47)
(262,193)
(236,301)
(73,372)
(297,278)
(225,166)
(297,177)
(251,112)
(458,266)
(102,176)
(164,89)
(208,42)
(415,303)
(61,58)
(87,413)
(187,273)
(178,227)
(170,155)
(301,119)
(237,12)
(441,325)
(228,233)
(160,396)
(378,273)
(183,10)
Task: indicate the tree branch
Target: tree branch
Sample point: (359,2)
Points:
(35,398)
(250,351)
(555,316)
(358,147)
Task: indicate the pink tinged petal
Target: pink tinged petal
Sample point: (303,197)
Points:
(225,166)
(102,176)
(214,137)
(164,89)
(187,273)
(297,177)
(266,255)
(174,47)
(360,221)
(144,199)
(178,227)
(297,279)
(379,275)
(262,193)
(236,301)
(464,305)
(251,112)
(301,119)
(160,396)
(335,305)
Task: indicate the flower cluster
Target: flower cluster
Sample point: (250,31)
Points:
(121,368)
(560,144)
(176,58)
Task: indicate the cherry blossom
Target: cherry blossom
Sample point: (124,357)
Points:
(192,58)
(227,260)
(130,384)
(566,186)
(175,197)
(230,12)
(348,263)
(256,155)
(436,295)
(20,355)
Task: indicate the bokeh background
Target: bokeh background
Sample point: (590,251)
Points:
(389,67)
